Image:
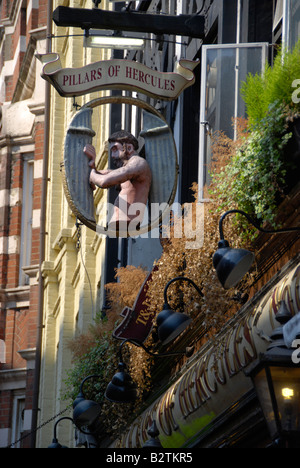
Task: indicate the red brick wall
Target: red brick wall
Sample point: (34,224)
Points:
(5,409)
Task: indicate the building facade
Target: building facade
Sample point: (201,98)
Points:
(72,269)
(22,91)
(206,401)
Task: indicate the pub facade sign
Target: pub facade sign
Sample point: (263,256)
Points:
(117,74)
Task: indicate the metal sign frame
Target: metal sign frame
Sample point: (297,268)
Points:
(74,155)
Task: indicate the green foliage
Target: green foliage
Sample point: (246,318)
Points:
(253,178)
(96,352)
(99,359)
(255,175)
(274,84)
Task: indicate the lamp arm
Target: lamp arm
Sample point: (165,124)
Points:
(254,223)
(187,352)
(55,425)
(84,380)
(96,2)
(180,278)
(70,419)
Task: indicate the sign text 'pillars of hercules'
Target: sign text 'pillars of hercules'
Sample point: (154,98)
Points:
(117,74)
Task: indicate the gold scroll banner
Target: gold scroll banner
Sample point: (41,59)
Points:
(117,74)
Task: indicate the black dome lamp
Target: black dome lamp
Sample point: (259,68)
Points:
(232,264)
(85,412)
(121,388)
(169,322)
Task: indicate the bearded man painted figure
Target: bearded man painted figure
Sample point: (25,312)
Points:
(132,174)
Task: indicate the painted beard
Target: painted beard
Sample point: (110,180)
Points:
(117,163)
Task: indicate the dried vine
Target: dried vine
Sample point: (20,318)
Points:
(209,313)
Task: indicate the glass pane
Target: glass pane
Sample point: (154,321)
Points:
(26,223)
(287,389)
(294,29)
(224,68)
(278,14)
(263,394)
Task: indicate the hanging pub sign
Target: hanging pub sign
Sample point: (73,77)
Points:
(117,74)
(137,322)
(147,184)
(145,165)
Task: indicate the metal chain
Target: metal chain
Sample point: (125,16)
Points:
(78,234)
(39,427)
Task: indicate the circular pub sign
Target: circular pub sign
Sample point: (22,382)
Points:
(144,171)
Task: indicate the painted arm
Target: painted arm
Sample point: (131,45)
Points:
(90,152)
(109,179)
(134,168)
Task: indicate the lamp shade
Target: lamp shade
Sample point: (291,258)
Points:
(55,444)
(231,264)
(170,324)
(121,388)
(85,412)
(108,39)
(105,42)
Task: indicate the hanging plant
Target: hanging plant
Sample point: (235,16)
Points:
(211,312)
(253,179)
(96,352)
(275,84)
(260,168)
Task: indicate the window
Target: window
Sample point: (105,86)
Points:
(224,68)
(26,222)
(287,22)
(293,25)
(17,419)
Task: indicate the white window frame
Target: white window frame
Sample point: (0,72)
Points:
(203,126)
(26,222)
(284,14)
(18,418)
